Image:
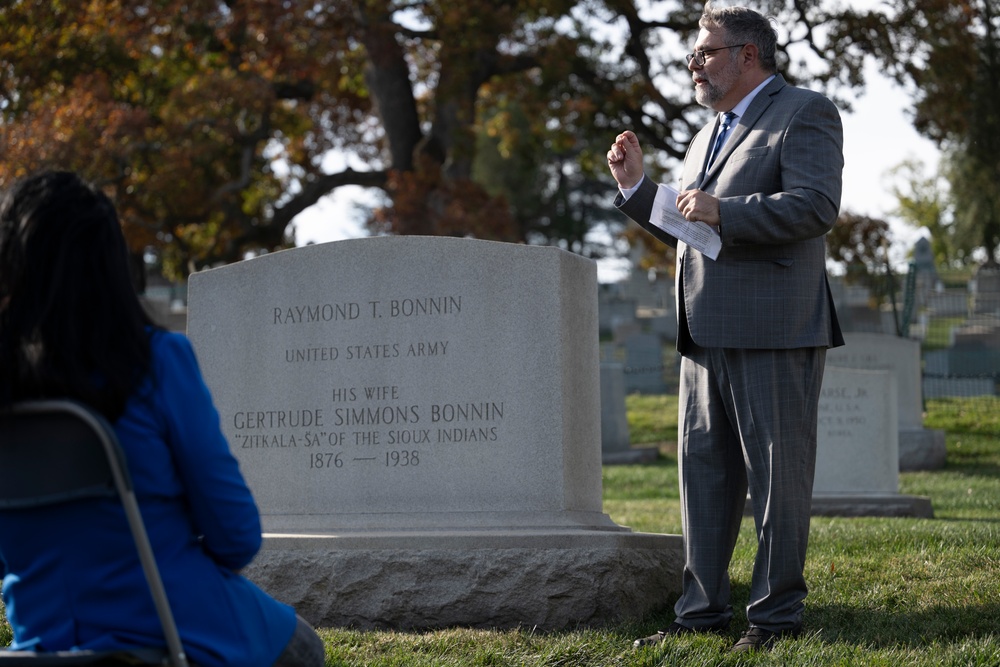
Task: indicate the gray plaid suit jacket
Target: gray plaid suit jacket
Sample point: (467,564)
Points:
(778,180)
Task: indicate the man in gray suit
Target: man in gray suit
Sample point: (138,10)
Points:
(754,324)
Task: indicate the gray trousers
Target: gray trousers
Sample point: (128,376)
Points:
(747,421)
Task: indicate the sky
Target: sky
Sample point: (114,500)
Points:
(878,136)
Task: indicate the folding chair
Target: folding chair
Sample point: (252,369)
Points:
(59,451)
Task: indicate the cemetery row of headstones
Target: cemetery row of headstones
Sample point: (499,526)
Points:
(865,436)
(638,313)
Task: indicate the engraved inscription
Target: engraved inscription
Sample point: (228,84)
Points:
(370,425)
(840,411)
(322,312)
(406,307)
(387,426)
(367,352)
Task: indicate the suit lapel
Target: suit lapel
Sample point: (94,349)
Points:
(709,143)
(701,148)
(745,122)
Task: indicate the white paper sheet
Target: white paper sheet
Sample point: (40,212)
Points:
(698,235)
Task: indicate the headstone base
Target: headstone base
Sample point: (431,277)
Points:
(893,504)
(921,449)
(500,580)
(633,455)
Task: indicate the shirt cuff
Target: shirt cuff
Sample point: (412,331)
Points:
(631,191)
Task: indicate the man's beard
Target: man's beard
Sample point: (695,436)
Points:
(711,92)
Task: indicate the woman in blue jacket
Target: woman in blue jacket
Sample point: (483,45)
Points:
(71,326)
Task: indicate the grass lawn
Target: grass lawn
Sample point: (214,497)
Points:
(893,592)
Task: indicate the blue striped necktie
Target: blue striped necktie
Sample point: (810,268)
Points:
(727,119)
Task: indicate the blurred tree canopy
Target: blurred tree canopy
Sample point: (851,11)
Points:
(859,244)
(947,53)
(924,202)
(212,122)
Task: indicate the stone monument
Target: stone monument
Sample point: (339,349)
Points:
(644,364)
(986,290)
(419,421)
(616,445)
(919,448)
(857,458)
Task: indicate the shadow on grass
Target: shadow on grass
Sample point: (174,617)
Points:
(947,519)
(878,628)
(868,628)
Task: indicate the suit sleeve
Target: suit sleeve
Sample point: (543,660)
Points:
(640,205)
(221,505)
(803,200)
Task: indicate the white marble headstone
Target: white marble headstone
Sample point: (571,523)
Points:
(857,439)
(919,448)
(408,383)
(901,356)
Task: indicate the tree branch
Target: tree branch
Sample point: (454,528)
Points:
(321,186)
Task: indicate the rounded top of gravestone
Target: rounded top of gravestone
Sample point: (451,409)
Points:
(923,254)
(990,268)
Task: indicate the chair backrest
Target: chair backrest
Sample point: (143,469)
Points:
(56,451)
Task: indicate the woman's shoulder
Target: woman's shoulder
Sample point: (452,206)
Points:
(163,341)
(173,356)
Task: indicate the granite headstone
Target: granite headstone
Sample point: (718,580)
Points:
(919,448)
(418,418)
(857,459)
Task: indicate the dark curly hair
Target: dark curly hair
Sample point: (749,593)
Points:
(71,324)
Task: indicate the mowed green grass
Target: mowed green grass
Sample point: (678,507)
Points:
(887,592)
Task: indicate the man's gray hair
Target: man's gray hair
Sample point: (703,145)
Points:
(744,26)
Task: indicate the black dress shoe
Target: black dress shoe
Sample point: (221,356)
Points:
(759,639)
(675,629)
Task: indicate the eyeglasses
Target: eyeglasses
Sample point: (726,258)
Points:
(699,56)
